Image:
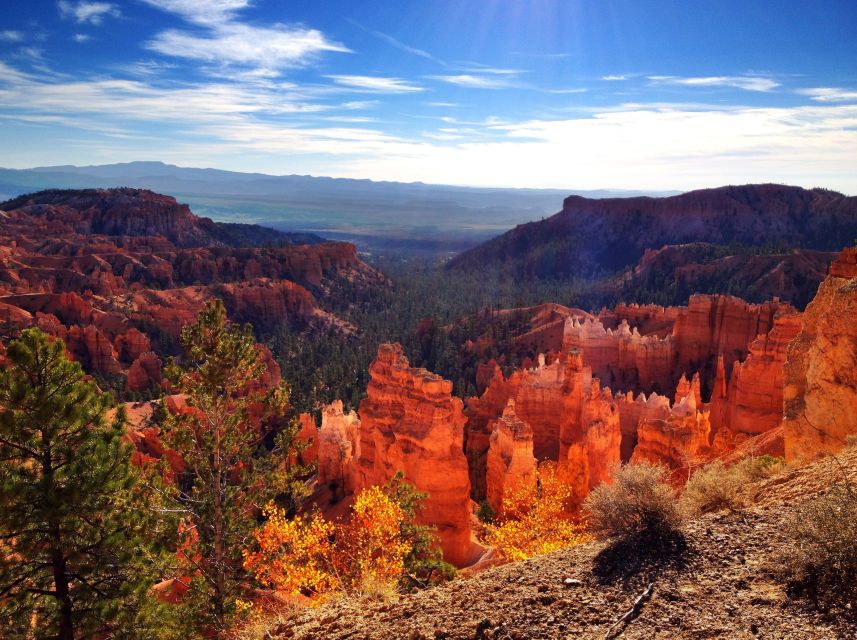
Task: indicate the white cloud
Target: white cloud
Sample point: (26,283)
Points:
(375,84)
(267,47)
(203,12)
(475,81)
(614,78)
(748,83)
(84,12)
(9,35)
(227,41)
(829,94)
(81,38)
(641,146)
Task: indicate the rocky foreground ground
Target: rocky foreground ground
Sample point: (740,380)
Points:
(718,583)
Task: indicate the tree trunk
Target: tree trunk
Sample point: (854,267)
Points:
(66,622)
(219,568)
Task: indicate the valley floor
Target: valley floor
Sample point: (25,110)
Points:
(717,585)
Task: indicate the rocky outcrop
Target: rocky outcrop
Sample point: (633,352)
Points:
(632,411)
(753,403)
(338,450)
(133,267)
(590,433)
(510,463)
(410,422)
(144,373)
(573,421)
(609,235)
(677,441)
(820,394)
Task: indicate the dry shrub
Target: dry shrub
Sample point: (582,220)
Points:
(718,486)
(823,557)
(640,502)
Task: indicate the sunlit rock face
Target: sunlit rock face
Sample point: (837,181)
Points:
(820,393)
(753,401)
(410,422)
(590,434)
(511,464)
(676,441)
(338,449)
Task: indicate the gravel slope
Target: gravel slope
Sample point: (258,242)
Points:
(715,584)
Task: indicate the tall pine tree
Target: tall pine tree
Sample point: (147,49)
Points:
(71,511)
(223,435)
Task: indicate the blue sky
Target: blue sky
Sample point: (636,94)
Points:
(644,94)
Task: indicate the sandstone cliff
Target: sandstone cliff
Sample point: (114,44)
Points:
(821,371)
(410,422)
(510,463)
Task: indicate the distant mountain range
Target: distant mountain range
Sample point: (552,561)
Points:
(752,240)
(376,215)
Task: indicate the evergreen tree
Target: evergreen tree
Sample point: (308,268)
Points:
(71,510)
(229,475)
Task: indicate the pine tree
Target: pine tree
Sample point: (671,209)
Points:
(71,510)
(229,475)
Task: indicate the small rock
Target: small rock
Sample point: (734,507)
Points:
(572,582)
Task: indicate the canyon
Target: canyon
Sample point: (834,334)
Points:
(117,274)
(727,369)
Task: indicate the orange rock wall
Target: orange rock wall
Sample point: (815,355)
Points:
(821,370)
(410,422)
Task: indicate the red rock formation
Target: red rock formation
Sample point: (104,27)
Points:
(677,441)
(754,400)
(338,450)
(510,462)
(687,387)
(590,434)
(573,421)
(130,262)
(308,435)
(144,373)
(632,411)
(412,423)
(132,344)
(821,371)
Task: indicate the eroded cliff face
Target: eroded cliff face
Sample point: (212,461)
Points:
(511,464)
(821,370)
(410,422)
(679,441)
(338,450)
(116,273)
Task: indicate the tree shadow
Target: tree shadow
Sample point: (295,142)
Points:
(637,554)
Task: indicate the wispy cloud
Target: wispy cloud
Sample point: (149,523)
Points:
(202,12)
(398,44)
(614,78)
(11,36)
(829,94)
(569,90)
(477,81)
(227,41)
(375,84)
(81,38)
(747,83)
(84,12)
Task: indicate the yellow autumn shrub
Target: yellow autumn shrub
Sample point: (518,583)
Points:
(534,520)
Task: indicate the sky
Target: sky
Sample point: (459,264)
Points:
(576,94)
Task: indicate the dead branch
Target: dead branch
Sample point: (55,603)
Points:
(630,614)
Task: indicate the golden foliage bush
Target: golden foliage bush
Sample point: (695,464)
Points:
(534,520)
(313,557)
